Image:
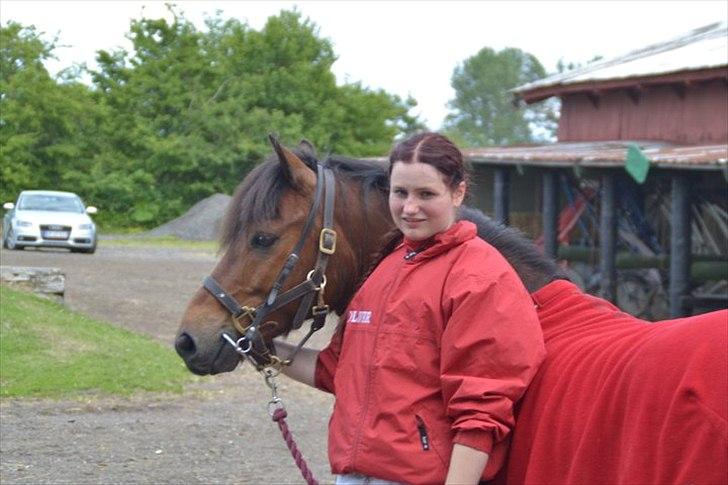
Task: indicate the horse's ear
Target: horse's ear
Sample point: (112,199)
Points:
(295,170)
(307,147)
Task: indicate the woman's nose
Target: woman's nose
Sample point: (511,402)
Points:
(410,206)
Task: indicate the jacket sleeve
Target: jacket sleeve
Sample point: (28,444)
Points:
(491,348)
(326,363)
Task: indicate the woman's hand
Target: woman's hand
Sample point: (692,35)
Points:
(303,368)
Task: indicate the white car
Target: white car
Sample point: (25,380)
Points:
(45,218)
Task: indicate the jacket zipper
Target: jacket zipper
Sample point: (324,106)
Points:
(424,439)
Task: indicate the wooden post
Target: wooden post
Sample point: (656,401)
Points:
(501,194)
(550,214)
(608,239)
(680,245)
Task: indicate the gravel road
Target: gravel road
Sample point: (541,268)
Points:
(218,431)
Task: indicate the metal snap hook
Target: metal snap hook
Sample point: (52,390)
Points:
(274,405)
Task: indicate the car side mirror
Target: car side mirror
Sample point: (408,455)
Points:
(91,210)
(8,206)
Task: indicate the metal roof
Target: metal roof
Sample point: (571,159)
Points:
(603,154)
(698,50)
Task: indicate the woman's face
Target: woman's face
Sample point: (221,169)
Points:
(420,202)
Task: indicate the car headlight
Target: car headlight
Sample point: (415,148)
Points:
(86,227)
(23,223)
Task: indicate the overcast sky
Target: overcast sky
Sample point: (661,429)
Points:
(404,47)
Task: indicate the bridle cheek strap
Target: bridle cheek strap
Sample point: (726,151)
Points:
(251,344)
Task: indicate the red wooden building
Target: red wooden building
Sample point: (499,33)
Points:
(674,91)
(669,103)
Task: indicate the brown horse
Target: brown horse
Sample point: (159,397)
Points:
(618,400)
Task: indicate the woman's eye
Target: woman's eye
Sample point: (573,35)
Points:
(427,195)
(262,240)
(400,192)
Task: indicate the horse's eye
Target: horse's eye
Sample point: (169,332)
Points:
(262,240)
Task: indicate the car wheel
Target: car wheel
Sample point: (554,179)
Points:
(10,241)
(90,250)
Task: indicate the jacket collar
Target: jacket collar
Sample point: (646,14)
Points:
(455,235)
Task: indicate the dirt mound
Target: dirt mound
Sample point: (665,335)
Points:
(200,223)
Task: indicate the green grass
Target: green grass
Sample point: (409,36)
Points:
(47,350)
(159,242)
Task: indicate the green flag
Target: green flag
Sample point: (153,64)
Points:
(637,164)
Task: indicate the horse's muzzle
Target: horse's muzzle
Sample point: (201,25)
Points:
(201,359)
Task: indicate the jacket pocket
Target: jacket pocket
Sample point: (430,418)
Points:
(422,430)
(426,439)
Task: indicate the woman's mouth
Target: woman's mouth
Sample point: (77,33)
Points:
(412,222)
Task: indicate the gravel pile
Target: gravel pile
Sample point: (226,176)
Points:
(200,223)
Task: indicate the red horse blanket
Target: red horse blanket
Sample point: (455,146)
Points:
(621,400)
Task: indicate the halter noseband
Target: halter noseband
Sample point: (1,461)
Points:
(251,344)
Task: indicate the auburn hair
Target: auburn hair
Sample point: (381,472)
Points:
(433,149)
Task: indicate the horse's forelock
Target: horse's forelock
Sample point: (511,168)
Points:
(255,199)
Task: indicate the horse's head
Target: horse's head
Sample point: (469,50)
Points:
(264,222)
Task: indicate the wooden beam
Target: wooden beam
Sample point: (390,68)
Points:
(549,215)
(635,94)
(501,194)
(680,246)
(595,98)
(680,89)
(608,238)
(534,95)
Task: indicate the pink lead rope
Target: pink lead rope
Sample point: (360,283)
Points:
(278,412)
(279,416)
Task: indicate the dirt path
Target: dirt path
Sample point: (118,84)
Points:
(218,431)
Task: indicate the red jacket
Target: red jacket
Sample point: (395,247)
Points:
(436,349)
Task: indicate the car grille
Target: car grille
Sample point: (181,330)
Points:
(55,231)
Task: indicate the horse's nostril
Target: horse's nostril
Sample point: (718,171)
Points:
(185,345)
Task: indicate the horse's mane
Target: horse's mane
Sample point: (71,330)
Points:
(258,197)
(534,268)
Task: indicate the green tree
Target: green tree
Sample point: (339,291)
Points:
(483,111)
(191,109)
(47,128)
(182,114)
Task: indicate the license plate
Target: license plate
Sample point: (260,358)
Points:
(55,235)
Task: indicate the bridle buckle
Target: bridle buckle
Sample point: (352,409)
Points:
(327,236)
(319,310)
(237,319)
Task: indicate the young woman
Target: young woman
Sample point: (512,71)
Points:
(437,345)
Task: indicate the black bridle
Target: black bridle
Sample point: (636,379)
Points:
(251,344)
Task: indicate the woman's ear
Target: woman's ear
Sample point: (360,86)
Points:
(458,194)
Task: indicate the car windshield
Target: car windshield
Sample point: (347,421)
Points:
(57,203)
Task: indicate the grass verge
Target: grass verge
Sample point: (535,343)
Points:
(47,350)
